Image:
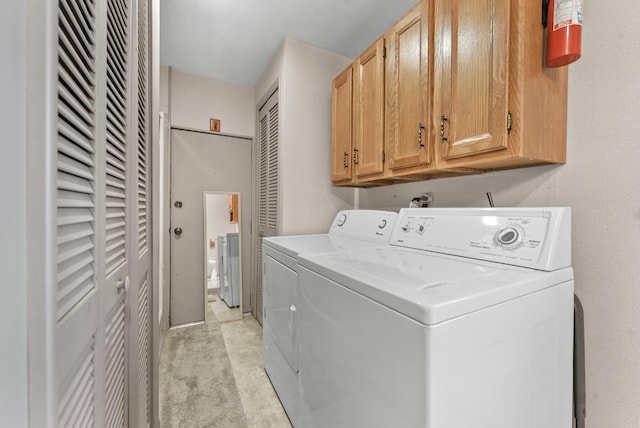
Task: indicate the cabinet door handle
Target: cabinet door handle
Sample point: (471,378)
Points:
(420,130)
(355,156)
(442,121)
(345,160)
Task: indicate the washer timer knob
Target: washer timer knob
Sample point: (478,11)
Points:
(383,224)
(421,228)
(342,220)
(509,238)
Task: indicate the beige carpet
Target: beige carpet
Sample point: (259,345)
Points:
(197,387)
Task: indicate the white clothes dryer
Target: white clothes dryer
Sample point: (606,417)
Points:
(465,320)
(350,230)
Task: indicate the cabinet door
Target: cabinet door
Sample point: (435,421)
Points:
(408,88)
(368,111)
(471,76)
(341,134)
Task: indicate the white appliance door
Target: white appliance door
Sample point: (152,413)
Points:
(280,299)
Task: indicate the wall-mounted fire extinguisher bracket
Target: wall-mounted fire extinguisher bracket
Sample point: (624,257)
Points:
(563,21)
(545,12)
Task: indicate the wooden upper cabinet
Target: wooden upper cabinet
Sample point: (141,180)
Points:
(409,133)
(492,89)
(368,109)
(342,127)
(471,74)
(464,89)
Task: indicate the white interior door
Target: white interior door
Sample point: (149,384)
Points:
(268,185)
(101,215)
(140,355)
(201,161)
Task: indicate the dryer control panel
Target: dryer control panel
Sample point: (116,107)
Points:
(530,237)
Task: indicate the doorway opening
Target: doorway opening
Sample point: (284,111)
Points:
(222,255)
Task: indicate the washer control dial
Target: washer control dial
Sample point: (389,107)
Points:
(510,238)
(342,220)
(406,228)
(383,224)
(421,228)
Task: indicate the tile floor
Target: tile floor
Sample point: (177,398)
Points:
(243,343)
(262,408)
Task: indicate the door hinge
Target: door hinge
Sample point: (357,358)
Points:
(384,52)
(509,122)
(383,157)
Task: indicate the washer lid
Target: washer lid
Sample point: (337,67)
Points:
(427,287)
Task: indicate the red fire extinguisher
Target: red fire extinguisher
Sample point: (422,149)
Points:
(564,32)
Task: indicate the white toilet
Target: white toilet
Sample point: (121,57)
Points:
(211,267)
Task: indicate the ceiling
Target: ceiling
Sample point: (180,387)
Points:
(234,40)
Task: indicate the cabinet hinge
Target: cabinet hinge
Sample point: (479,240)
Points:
(384,52)
(382,157)
(509,122)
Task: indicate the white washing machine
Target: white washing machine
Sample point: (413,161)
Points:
(349,230)
(465,320)
(230,290)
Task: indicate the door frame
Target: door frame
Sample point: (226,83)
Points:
(205,244)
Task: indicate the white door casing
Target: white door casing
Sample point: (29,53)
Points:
(202,161)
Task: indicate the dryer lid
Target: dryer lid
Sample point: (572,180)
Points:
(292,246)
(428,287)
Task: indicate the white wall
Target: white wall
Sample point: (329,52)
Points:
(195,99)
(308,202)
(13,227)
(600,184)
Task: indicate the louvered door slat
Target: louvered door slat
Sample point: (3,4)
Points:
(75,232)
(75,161)
(74,167)
(72,111)
(76,38)
(117,146)
(81,18)
(115,367)
(144,301)
(272,207)
(75,86)
(76,408)
(75,141)
(143,349)
(264,138)
(115,87)
(68,201)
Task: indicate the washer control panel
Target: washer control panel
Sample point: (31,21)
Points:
(367,225)
(515,236)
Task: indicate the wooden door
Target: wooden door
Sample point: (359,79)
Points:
(268,187)
(368,111)
(409,90)
(342,127)
(471,76)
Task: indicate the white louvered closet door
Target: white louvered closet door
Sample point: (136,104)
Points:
(78,329)
(141,354)
(97,200)
(118,209)
(268,185)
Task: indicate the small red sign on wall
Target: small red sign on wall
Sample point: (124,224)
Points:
(214,125)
